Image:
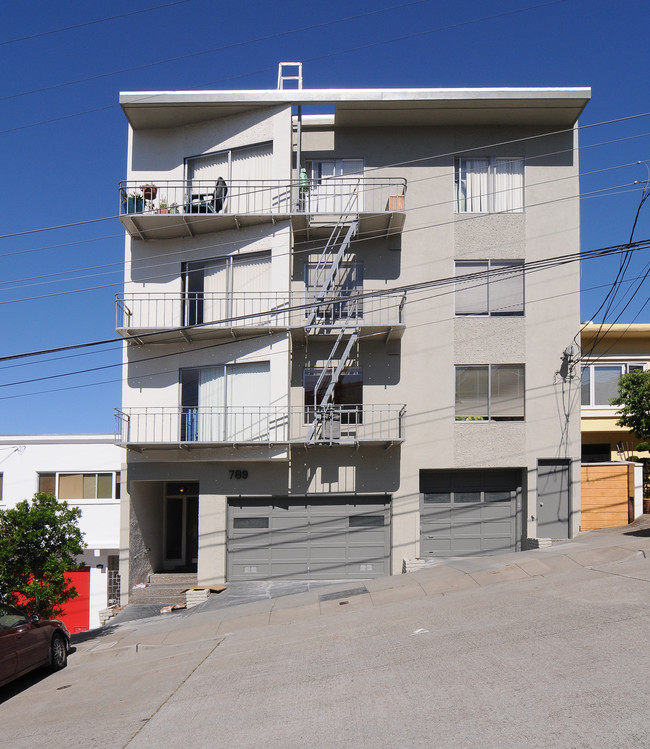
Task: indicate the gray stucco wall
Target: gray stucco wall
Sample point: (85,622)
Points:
(419,370)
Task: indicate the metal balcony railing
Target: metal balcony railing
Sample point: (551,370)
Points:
(212,309)
(166,311)
(257,425)
(262,197)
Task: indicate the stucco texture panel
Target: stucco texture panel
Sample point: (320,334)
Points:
(489,340)
(495,236)
(494,444)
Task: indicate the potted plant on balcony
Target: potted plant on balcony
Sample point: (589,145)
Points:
(163,207)
(149,191)
(134,203)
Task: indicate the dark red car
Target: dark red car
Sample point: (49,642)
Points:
(27,642)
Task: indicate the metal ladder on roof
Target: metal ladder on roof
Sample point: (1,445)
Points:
(283,76)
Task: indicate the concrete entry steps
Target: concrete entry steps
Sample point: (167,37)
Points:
(164,588)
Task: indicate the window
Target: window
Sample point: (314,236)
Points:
(47,483)
(489,185)
(85,486)
(348,282)
(239,164)
(366,521)
(490,392)
(489,287)
(336,185)
(222,288)
(463,487)
(596,453)
(227,402)
(251,523)
(348,392)
(600,381)
(247,172)
(71,486)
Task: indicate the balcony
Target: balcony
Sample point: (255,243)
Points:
(237,426)
(170,317)
(171,209)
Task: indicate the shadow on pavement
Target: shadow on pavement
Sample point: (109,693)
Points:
(643,532)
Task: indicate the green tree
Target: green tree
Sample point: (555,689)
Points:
(633,401)
(38,544)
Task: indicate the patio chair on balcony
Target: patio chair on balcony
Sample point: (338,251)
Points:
(209,202)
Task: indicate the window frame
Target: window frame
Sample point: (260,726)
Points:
(492,175)
(56,476)
(626,366)
(489,274)
(490,394)
(347,283)
(230,154)
(355,413)
(217,416)
(194,294)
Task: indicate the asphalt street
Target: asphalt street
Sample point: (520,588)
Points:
(545,648)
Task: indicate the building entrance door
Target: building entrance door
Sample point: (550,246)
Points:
(181,527)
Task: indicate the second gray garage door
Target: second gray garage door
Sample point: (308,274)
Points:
(330,539)
(469,511)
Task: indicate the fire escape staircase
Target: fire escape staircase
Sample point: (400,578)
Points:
(329,307)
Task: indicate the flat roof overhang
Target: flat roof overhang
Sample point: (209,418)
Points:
(615,332)
(548,107)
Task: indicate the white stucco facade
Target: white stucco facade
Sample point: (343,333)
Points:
(26,458)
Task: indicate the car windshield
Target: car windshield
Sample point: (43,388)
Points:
(11,617)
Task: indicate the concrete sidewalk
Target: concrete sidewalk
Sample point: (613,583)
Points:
(218,615)
(541,648)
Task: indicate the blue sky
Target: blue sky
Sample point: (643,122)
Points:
(63,141)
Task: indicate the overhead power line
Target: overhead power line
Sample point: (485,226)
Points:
(429,157)
(116,267)
(440,284)
(300,30)
(40,34)
(277,35)
(311,249)
(216,246)
(534,265)
(221,48)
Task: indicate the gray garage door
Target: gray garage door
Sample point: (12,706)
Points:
(330,539)
(469,512)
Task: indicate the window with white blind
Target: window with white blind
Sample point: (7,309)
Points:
(247,172)
(490,392)
(600,381)
(336,185)
(489,287)
(248,163)
(219,289)
(226,402)
(489,185)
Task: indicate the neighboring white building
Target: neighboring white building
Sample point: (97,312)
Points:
(294,404)
(83,470)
